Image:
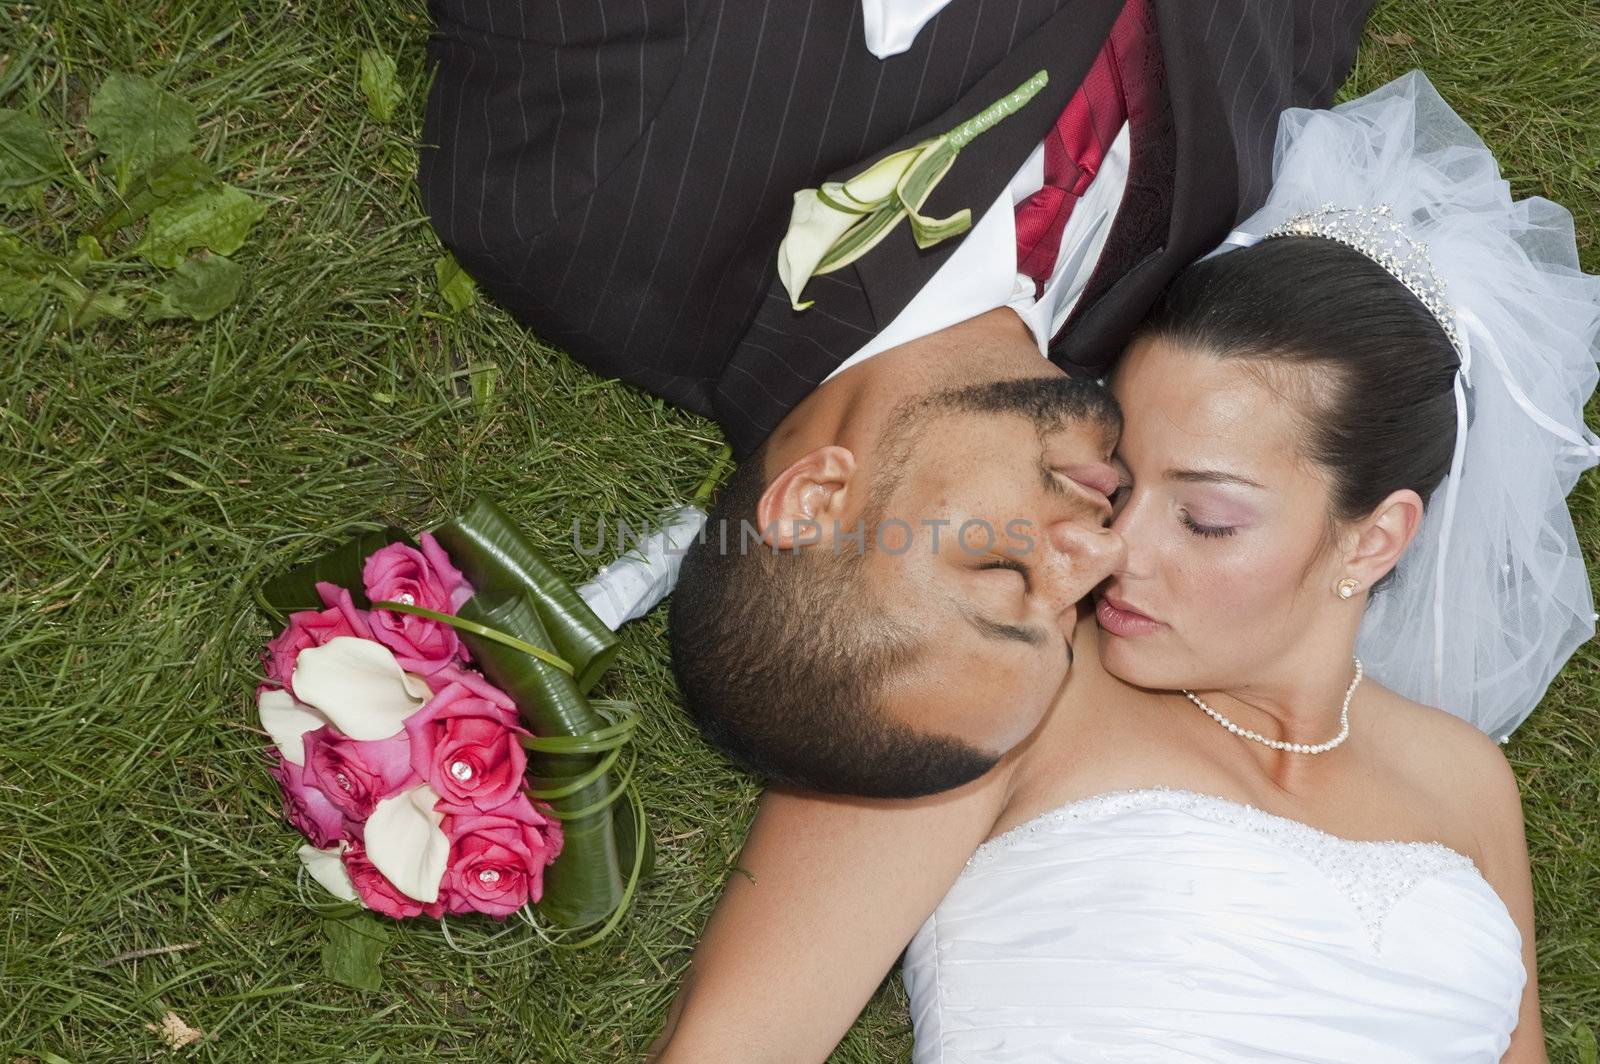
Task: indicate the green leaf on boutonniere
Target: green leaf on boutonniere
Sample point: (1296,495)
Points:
(833,226)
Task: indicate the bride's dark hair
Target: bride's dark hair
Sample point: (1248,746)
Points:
(1379,405)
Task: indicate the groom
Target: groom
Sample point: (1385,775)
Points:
(620,177)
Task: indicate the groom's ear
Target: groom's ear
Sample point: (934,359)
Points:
(1384,536)
(802,503)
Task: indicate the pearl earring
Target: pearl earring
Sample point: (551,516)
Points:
(1347,587)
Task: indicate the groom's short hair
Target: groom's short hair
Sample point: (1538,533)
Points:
(783,658)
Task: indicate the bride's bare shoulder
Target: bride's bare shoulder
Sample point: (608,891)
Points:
(1463,769)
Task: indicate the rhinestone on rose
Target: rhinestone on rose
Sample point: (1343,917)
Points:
(489,875)
(1279,744)
(461,770)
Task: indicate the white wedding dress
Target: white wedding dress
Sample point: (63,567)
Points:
(1166,925)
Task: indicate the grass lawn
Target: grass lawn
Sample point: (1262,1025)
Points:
(152,470)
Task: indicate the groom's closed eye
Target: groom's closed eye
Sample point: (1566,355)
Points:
(990,628)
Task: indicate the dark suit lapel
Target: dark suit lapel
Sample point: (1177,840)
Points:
(1066,45)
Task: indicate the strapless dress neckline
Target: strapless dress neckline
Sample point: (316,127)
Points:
(1373,873)
(1164,924)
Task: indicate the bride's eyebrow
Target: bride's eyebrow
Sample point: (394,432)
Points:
(1211,476)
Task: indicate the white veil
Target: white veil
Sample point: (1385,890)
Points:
(1492,597)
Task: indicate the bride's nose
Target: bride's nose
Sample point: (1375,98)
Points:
(1130,525)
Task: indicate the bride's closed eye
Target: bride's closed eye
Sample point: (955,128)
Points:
(1209,531)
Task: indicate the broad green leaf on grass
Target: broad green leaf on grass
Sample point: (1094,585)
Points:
(198,290)
(22,273)
(84,305)
(28,155)
(379,84)
(1588,1049)
(217,219)
(455,284)
(135,122)
(352,949)
(28,276)
(169,178)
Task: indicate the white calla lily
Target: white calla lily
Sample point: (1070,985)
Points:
(823,233)
(874,185)
(287,721)
(404,842)
(814,226)
(358,686)
(327,868)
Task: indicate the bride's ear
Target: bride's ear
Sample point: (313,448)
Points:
(803,502)
(1384,536)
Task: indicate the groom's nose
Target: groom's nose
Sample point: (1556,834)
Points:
(1082,555)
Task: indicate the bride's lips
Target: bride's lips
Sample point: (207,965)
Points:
(1118,618)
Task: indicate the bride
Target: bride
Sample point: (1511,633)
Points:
(1242,833)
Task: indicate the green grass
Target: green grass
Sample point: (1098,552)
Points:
(150,473)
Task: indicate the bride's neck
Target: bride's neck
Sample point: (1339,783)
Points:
(1298,702)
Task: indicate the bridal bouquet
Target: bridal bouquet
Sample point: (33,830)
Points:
(432,734)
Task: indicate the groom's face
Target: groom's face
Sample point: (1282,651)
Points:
(995,514)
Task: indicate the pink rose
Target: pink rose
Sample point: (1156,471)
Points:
(355,775)
(474,682)
(306,807)
(466,747)
(398,573)
(380,895)
(314,628)
(498,858)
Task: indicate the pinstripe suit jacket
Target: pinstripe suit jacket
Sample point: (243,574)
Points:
(619,173)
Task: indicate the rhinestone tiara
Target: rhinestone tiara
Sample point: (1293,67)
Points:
(1374,232)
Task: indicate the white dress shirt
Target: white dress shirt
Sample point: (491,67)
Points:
(982,273)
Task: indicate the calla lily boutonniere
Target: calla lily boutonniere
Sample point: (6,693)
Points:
(832,226)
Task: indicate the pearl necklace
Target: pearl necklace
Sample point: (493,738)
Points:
(1279,744)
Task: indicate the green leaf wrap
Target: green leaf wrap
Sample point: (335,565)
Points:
(587,880)
(499,562)
(297,589)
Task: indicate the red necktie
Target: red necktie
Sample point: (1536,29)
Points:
(1076,145)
